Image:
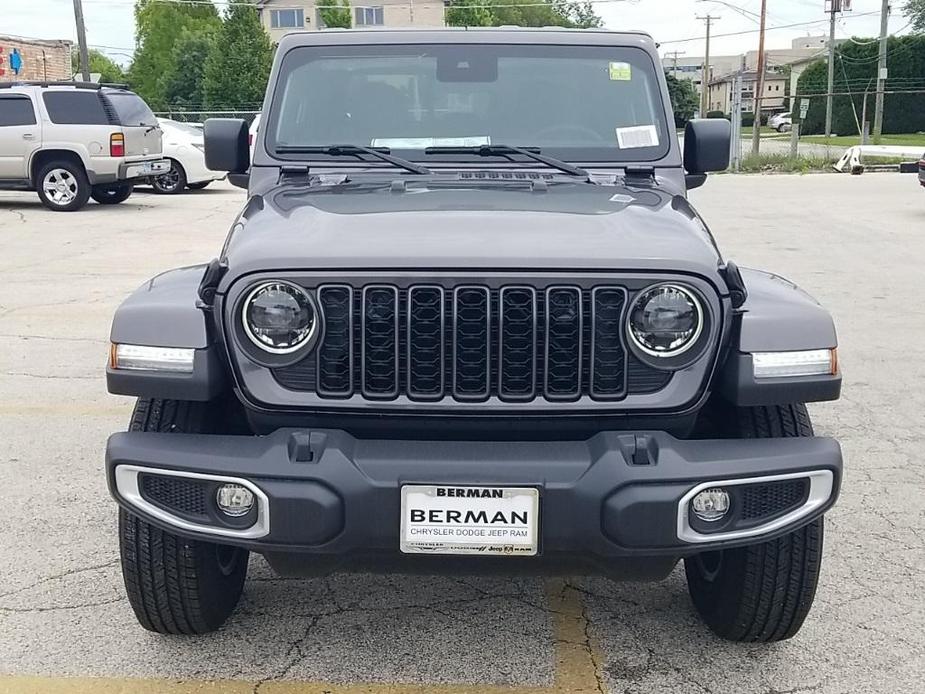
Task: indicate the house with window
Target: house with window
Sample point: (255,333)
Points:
(774,98)
(282,16)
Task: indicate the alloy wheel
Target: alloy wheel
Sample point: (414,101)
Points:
(60,186)
(169,181)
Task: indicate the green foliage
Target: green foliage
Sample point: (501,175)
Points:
(915,11)
(564,13)
(855,71)
(158,25)
(183,85)
(684,99)
(109,70)
(335,13)
(239,61)
(785,163)
(469,13)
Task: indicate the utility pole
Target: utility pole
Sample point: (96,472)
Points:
(705,78)
(882,72)
(82,41)
(674,56)
(759,80)
(834,7)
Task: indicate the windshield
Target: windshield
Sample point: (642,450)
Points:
(577,103)
(131,109)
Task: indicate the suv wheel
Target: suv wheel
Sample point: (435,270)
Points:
(112,194)
(174,181)
(760,592)
(63,186)
(176,585)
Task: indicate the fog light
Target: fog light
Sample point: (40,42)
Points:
(710,504)
(234,500)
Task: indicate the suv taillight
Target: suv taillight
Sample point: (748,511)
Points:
(117,145)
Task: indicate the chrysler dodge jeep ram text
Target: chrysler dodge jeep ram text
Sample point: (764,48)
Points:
(467,309)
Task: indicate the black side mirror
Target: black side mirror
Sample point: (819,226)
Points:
(226,144)
(706,148)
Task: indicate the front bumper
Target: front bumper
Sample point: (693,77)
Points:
(617,494)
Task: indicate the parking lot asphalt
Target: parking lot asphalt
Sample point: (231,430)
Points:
(856,243)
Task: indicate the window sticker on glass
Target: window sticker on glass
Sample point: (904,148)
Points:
(424,142)
(621,72)
(637,136)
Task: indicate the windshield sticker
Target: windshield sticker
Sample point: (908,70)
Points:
(425,142)
(621,72)
(637,136)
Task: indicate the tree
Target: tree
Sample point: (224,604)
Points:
(335,13)
(183,85)
(684,99)
(469,13)
(915,11)
(158,25)
(108,69)
(565,13)
(855,73)
(239,61)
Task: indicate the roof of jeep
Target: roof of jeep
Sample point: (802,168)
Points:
(517,35)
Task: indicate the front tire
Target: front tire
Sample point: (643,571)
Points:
(172,182)
(112,194)
(198,186)
(761,592)
(176,585)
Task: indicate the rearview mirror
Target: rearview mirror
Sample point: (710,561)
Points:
(226,145)
(706,148)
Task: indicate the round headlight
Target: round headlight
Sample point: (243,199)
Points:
(665,320)
(279,317)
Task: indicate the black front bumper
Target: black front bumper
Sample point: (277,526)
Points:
(615,495)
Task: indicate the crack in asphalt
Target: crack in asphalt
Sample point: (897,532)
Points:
(56,608)
(295,647)
(58,577)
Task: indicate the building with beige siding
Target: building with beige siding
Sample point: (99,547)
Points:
(38,60)
(282,16)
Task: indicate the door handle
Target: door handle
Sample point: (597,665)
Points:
(28,136)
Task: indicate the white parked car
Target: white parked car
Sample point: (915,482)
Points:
(183,148)
(781,122)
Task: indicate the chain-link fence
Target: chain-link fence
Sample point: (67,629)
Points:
(187,116)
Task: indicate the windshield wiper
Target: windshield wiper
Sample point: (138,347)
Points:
(355,151)
(502,150)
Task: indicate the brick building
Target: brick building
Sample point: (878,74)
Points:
(37,59)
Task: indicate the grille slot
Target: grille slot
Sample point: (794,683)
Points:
(563,343)
(608,355)
(517,340)
(177,494)
(762,502)
(471,343)
(429,342)
(426,328)
(335,353)
(380,342)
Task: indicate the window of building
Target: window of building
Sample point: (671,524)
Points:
(76,107)
(16,110)
(368,16)
(287,19)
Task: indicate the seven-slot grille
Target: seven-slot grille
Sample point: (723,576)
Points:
(471,342)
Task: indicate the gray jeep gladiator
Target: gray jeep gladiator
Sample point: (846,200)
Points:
(468,321)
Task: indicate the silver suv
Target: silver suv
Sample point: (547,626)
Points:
(70,141)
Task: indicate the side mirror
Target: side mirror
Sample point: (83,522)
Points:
(706,148)
(226,145)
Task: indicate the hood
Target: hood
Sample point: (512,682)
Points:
(560,226)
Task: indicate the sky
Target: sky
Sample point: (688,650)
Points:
(673,23)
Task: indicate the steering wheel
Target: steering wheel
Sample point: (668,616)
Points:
(576,129)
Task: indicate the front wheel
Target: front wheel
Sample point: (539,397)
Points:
(112,194)
(172,182)
(760,592)
(176,585)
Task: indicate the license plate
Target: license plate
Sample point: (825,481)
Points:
(438,519)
